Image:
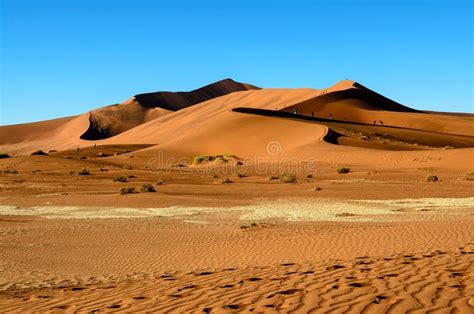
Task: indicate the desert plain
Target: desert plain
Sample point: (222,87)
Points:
(232,198)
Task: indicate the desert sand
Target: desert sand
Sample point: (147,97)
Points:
(232,198)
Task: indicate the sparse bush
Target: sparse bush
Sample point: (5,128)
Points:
(469,176)
(227,181)
(289,178)
(38,153)
(160,181)
(241,175)
(274,178)
(84,172)
(127,167)
(52,151)
(220,159)
(10,171)
(239,163)
(317,189)
(3,155)
(201,158)
(342,170)
(147,187)
(103,169)
(215,176)
(132,176)
(432,178)
(217,158)
(309,176)
(122,178)
(127,190)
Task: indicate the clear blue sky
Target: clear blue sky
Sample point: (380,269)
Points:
(67,57)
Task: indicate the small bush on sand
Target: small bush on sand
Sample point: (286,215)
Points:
(160,181)
(127,190)
(227,181)
(342,170)
(122,178)
(201,158)
(309,176)
(10,171)
(469,176)
(241,175)
(2,155)
(432,178)
(84,172)
(289,178)
(274,177)
(215,176)
(38,153)
(216,158)
(147,187)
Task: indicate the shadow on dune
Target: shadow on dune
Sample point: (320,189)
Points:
(112,120)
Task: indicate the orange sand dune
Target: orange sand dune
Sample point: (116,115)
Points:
(350,101)
(210,126)
(58,134)
(112,120)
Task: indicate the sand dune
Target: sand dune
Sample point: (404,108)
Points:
(350,101)
(112,120)
(347,109)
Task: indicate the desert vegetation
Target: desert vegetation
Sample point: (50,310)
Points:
(432,178)
(342,170)
(209,158)
(147,187)
(84,172)
(121,178)
(127,190)
(39,153)
(289,178)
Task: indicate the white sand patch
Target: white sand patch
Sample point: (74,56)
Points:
(301,210)
(426,203)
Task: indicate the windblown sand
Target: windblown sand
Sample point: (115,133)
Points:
(366,255)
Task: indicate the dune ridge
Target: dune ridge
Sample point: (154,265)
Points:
(112,120)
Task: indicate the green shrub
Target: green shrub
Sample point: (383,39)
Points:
(2,155)
(160,181)
(127,190)
(241,175)
(218,158)
(122,178)
(38,153)
(147,187)
(84,172)
(227,181)
(469,176)
(289,178)
(201,158)
(342,170)
(10,171)
(432,178)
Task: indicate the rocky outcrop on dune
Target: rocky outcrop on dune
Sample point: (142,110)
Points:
(112,120)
